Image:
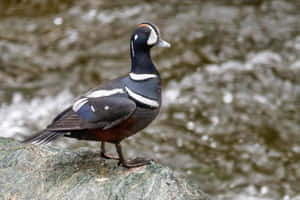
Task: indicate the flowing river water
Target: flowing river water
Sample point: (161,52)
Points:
(230,118)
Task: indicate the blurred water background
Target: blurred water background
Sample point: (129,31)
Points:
(231,83)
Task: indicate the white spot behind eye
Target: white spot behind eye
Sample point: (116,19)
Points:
(136,37)
(106,107)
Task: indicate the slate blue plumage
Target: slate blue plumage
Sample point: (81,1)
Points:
(116,109)
(147,89)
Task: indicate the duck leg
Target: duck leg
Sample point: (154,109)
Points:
(107,155)
(137,162)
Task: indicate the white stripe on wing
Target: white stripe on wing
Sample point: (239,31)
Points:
(104,93)
(95,94)
(79,103)
(142,99)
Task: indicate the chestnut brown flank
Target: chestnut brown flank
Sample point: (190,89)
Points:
(116,134)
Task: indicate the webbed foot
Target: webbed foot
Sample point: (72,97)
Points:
(137,162)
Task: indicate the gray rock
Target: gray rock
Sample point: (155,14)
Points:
(42,172)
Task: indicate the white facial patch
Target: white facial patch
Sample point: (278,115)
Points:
(142,99)
(153,37)
(136,37)
(141,77)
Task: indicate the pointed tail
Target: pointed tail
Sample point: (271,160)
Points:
(44,137)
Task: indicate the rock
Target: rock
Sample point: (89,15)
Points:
(43,172)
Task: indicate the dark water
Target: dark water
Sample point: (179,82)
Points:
(231,82)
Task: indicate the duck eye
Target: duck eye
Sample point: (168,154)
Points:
(146,31)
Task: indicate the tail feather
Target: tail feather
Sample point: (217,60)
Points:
(44,137)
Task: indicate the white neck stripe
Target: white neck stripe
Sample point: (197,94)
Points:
(142,99)
(141,77)
(132,48)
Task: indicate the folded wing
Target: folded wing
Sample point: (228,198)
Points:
(100,112)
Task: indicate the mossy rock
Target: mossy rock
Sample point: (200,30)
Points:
(42,172)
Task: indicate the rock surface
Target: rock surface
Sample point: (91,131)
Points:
(42,172)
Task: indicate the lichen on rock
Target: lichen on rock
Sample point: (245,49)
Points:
(42,172)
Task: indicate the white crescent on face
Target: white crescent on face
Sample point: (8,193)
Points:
(153,37)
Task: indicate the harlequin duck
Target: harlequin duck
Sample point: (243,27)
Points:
(119,108)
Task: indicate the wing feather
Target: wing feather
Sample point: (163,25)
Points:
(102,112)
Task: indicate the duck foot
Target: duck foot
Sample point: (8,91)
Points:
(107,155)
(137,162)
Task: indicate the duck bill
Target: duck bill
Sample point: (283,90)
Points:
(162,43)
